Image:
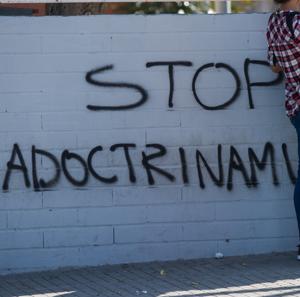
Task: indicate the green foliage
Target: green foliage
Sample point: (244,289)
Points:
(164,7)
(179,7)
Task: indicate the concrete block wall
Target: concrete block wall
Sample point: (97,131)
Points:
(44,97)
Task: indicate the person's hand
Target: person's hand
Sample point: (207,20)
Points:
(276,68)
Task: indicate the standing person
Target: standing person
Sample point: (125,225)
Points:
(283,36)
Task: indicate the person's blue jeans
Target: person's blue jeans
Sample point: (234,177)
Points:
(295,120)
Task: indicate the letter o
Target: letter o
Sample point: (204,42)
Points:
(237,88)
(66,155)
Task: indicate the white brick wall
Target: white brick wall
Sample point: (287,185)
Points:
(44,94)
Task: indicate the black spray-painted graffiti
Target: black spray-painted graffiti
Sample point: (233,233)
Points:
(171,68)
(236,165)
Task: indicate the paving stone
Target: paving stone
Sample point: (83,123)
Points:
(276,275)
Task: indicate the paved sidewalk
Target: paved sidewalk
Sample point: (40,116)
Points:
(265,275)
